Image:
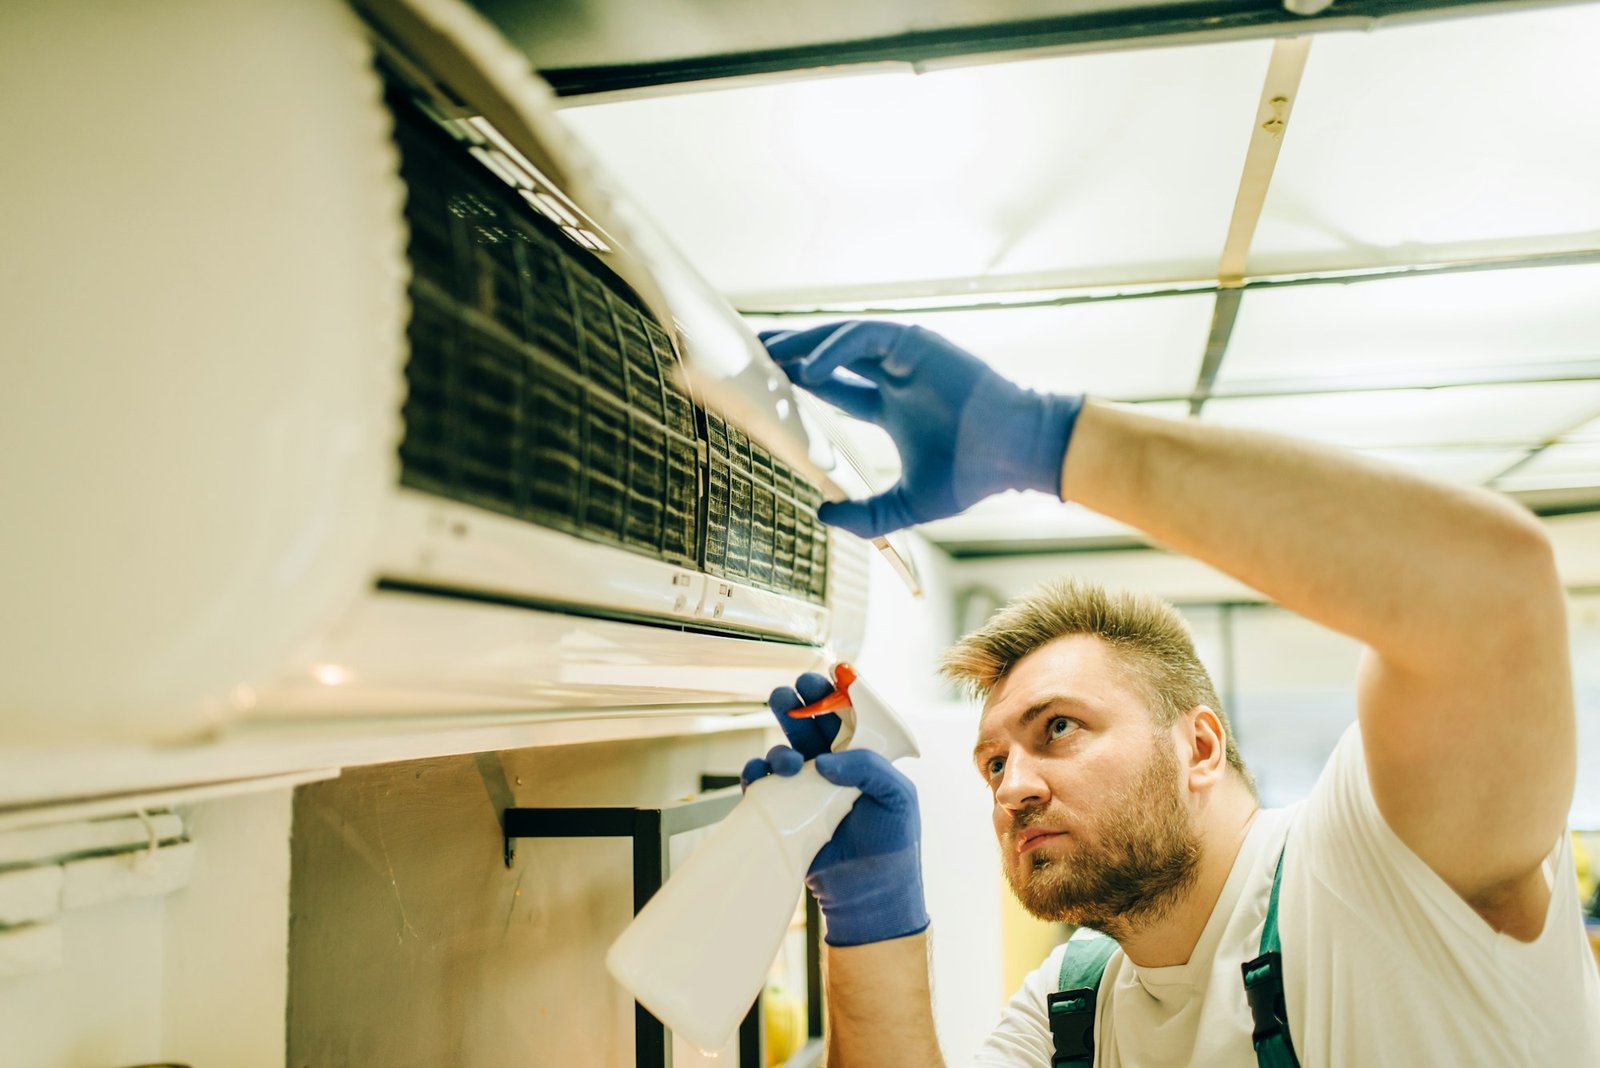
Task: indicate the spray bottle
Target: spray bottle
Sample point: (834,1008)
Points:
(698,953)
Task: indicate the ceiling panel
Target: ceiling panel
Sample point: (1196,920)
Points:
(1466,415)
(1123,162)
(1471,465)
(1458,139)
(1557,467)
(1471,135)
(1119,349)
(1441,323)
(1587,432)
(1021,517)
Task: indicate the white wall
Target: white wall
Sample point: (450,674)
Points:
(196,977)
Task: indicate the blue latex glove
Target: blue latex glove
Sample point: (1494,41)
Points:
(962,430)
(868,878)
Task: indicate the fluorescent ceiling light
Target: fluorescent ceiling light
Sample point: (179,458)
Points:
(1487,319)
(1026,517)
(1557,467)
(1468,415)
(1469,465)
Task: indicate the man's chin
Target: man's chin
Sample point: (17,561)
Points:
(1039,894)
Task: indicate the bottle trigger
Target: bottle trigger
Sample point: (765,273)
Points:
(843,676)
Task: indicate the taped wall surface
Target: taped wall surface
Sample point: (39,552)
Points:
(412,942)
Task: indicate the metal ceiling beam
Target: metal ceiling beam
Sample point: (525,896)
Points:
(843,306)
(1141,26)
(1554,439)
(1458,378)
(1223,315)
(1278,94)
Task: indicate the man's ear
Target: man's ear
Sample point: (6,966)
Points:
(1207,747)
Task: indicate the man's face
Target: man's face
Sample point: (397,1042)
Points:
(1093,825)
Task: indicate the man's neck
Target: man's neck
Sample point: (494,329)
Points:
(1170,938)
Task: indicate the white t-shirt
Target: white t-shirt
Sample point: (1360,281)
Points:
(1384,965)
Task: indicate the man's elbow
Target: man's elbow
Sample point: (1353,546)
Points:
(1501,589)
(1530,601)
(1530,554)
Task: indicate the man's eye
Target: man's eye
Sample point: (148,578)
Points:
(1059,726)
(994,766)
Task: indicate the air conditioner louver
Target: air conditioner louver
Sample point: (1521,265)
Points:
(540,387)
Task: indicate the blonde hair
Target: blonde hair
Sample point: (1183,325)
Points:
(1148,637)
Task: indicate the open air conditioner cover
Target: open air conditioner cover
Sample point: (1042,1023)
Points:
(336,385)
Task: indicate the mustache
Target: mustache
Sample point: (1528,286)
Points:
(1028,817)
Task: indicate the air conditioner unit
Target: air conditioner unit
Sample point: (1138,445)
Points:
(334,386)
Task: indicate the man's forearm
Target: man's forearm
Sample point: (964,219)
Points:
(1407,565)
(880,1008)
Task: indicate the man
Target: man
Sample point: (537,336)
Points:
(1426,898)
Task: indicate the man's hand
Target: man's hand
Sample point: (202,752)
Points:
(868,878)
(963,431)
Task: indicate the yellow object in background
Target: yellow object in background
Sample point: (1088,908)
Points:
(1025,940)
(1584,856)
(786,1024)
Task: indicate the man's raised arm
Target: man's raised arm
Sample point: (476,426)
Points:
(1465,692)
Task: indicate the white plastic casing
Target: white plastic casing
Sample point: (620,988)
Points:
(204,275)
(205,281)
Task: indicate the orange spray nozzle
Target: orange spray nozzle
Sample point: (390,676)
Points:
(843,676)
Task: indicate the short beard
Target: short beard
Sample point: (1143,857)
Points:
(1146,855)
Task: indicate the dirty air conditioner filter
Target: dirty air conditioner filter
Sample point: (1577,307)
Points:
(541,387)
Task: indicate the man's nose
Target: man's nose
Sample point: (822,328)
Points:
(1021,784)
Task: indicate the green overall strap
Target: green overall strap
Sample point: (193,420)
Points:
(1263,988)
(1072,1005)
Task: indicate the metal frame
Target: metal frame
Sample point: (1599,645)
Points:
(1096,31)
(651,831)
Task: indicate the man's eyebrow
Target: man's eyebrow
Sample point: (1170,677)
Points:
(1033,712)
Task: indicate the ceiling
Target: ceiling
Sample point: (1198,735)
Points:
(1400,255)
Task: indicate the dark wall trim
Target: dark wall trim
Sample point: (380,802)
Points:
(1219,18)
